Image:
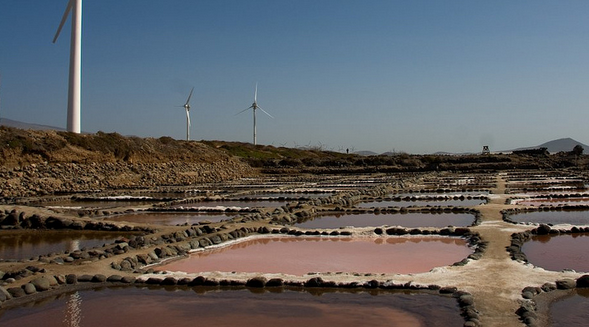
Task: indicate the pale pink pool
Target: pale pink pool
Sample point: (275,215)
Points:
(301,255)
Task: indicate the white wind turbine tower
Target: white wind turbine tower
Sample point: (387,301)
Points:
(75,77)
(254,107)
(186,106)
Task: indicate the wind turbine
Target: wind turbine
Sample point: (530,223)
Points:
(75,77)
(254,107)
(187,108)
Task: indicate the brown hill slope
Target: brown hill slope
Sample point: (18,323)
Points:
(49,162)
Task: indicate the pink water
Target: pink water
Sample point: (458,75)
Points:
(195,307)
(556,201)
(576,217)
(423,203)
(171,219)
(405,220)
(572,310)
(235,203)
(559,252)
(301,255)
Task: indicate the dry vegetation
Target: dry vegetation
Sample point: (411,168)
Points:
(21,148)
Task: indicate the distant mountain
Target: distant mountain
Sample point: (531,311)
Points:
(22,125)
(560,145)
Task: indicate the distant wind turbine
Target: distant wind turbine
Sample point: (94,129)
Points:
(75,77)
(254,107)
(187,108)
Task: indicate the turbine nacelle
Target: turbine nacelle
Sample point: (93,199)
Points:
(255,106)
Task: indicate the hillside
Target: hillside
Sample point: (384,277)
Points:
(559,145)
(50,162)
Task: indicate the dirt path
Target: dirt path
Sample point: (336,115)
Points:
(496,280)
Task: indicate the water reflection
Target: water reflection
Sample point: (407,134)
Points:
(73,311)
(31,243)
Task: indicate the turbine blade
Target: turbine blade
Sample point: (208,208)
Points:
(63,19)
(188,117)
(190,95)
(265,112)
(244,110)
(256,93)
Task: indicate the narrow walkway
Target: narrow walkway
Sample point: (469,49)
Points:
(496,280)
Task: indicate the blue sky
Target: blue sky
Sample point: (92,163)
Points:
(413,76)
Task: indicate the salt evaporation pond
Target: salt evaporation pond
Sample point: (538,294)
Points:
(25,245)
(555,201)
(565,251)
(191,307)
(552,217)
(285,195)
(441,194)
(571,310)
(412,219)
(423,203)
(233,203)
(301,255)
(171,219)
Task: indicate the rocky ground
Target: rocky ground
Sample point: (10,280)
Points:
(489,283)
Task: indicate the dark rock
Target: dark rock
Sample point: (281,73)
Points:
(447,290)
(184,281)
(153,281)
(200,280)
(275,282)
(4,294)
(169,281)
(71,279)
(42,284)
(256,282)
(114,278)
(465,300)
(565,284)
(85,278)
(543,229)
(211,282)
(128,279)
(314,282)
(16,292)
(547,287)
(98,278)
(583,281)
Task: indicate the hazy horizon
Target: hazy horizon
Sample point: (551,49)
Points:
(404,76)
